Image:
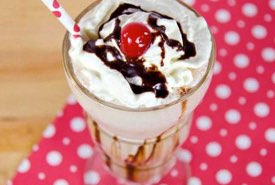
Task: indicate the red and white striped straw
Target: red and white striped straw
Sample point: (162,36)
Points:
(63,17)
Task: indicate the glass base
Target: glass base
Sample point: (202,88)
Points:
(96,172)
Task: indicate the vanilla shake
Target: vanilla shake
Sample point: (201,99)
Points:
(139,71)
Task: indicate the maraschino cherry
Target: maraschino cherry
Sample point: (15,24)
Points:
(135,39)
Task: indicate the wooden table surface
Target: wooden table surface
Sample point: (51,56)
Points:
(32,82)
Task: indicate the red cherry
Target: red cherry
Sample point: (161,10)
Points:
(135,39)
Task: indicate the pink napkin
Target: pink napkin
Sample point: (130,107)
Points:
(233,133)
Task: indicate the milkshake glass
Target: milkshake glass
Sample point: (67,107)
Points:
(127,152)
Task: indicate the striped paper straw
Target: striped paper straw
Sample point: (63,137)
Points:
(63,17)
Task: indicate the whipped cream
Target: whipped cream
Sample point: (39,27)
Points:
(180,71)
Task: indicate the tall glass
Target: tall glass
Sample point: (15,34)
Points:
(132,158)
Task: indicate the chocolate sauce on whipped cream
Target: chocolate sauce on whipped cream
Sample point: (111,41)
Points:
(152,79)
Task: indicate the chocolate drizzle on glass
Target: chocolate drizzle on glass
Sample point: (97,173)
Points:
(147,152)
(134,162)
(97,133)
(152,79)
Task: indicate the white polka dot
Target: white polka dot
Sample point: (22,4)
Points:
(190,2)
(259,32)
(203,166)
(233,159)
(242,100)
(174,173)
(223,91)
(77,124)
(66,141)
(252,125)
(267,17)
(213,149)
(243,142)
(263,152)
(241,61)
(41,176)
(184,155)
(194,139)
(54,158)
(205,8)
(73,168)
(250,46)
(232,38)
(231,2)
(84,151)
(272,4)
(91,178)
(204,123)
(270,135)
(251,85)
(194,181)
(35,148)
(71,100)
(222,52)
(60,113)
(223,16)
(240,23)
(273,179)
(213,107)
(24,166)
(260,70)
(49,132)
(268,54)
(261,110)
(249,10)
(254,169)
(232,116)
(214,29)
(232,76)
(223,132)
(60,182)
(217,68)
(270,94)
(223,176)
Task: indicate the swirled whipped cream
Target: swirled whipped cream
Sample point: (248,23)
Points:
(175,61)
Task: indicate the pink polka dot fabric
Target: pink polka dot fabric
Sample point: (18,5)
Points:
(233,133)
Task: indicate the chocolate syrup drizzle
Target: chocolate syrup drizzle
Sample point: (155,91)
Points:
(152,79)
(133,162)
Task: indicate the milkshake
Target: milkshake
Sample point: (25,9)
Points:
(139,71)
